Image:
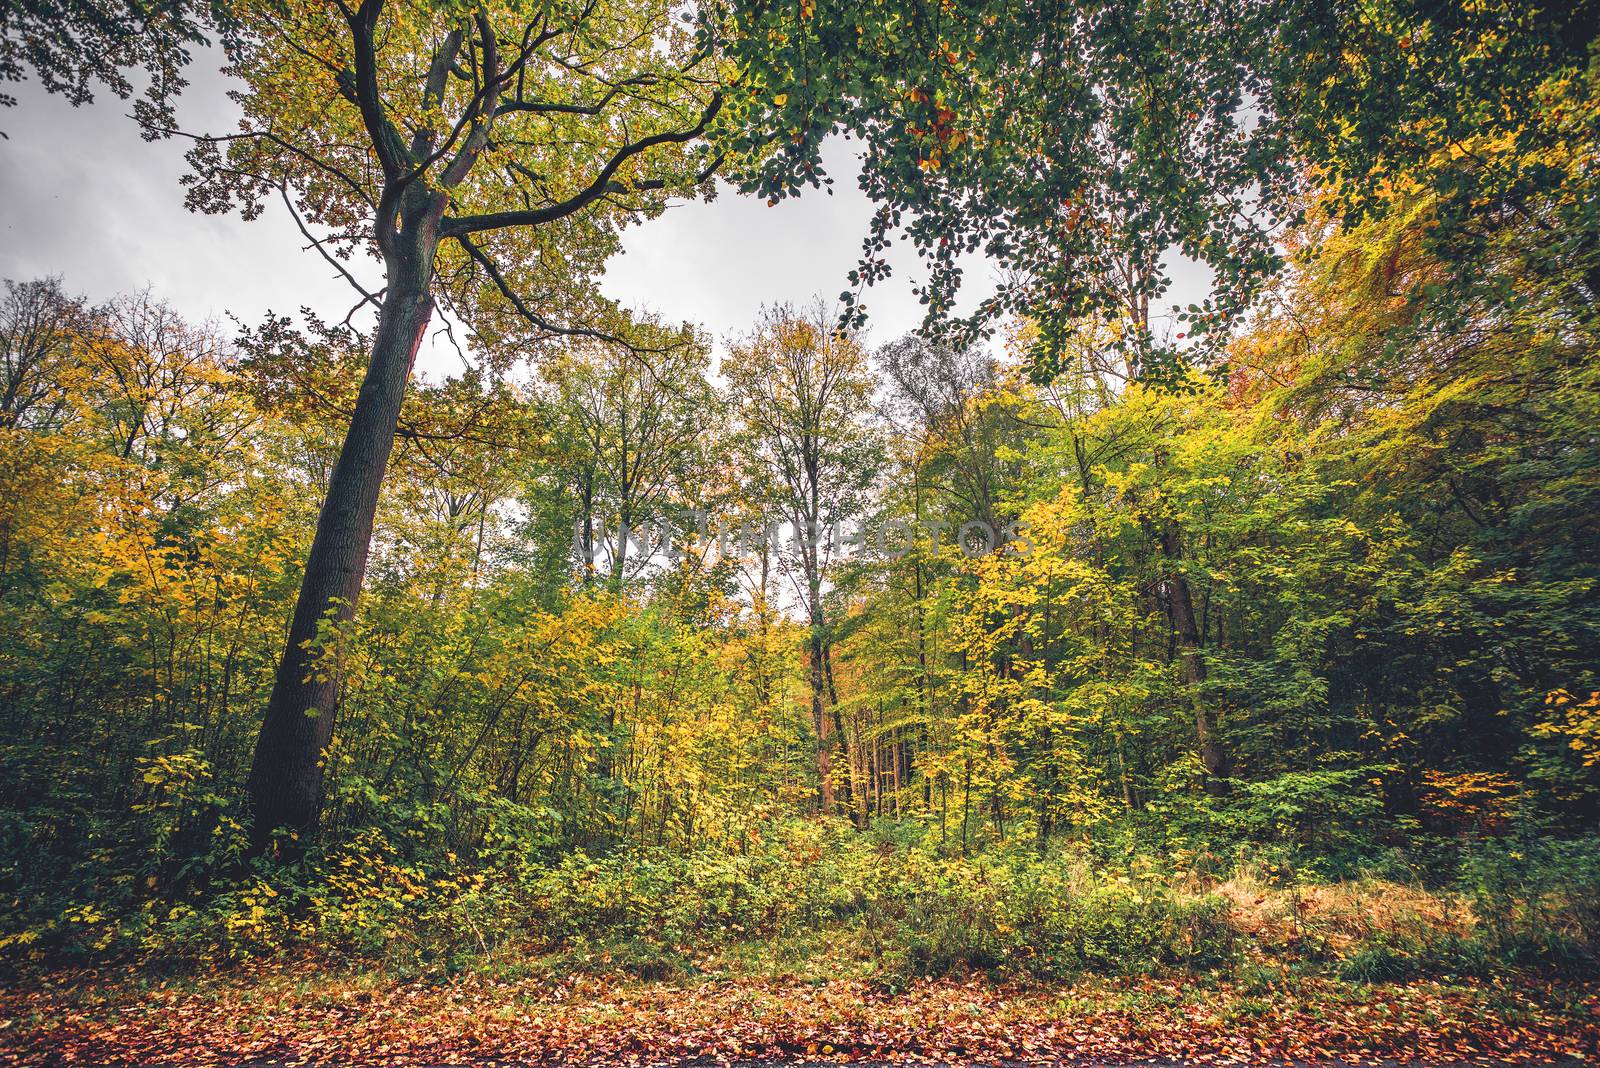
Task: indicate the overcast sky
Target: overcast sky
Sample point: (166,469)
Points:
(86,199)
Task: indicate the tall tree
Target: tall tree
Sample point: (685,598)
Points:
(635,440)
(802,391)
(486,155)
(38,326)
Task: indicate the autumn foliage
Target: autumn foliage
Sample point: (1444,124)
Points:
(1090,678)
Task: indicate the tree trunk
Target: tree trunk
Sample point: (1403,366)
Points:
(819,721)
(1212,755)
(841,736)
(285,785)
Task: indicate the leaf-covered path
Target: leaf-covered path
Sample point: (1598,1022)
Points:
(302,1016)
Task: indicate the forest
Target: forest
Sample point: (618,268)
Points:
(1080,676)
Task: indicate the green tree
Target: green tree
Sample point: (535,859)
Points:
(1083,145)
(636,437)
(77,46)
(802,391)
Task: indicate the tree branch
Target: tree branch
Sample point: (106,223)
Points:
(316,243)
(602,184)
(482,259)
(386,140)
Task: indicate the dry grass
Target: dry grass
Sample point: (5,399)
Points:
(1330,920)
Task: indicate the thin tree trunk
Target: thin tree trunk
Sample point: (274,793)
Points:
(966,802)
(819,720)
(1212,755)
(841,738)
(896,753)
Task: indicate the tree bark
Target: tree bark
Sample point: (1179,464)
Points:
(286,775)
(841,738)
(1212,755)
(819,721)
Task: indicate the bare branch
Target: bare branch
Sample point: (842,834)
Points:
(317,243)
(602,184)
(272,138)
(482,259)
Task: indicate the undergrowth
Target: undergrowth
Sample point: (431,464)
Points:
(810,898)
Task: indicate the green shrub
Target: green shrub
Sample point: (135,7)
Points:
(890,901)
(1045,918)
(1538,902)
(1379,962)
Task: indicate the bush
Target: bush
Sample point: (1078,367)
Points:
(890,901)
(1044,918)
(1538,902)
(1379,962)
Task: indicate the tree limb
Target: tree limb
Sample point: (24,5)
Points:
(602,184)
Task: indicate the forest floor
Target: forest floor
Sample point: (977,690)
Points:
(305,1012)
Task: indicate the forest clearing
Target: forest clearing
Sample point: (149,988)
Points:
(1150,616)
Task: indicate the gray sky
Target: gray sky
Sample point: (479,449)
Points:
(86,199)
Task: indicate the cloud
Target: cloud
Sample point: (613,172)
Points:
(87,199)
